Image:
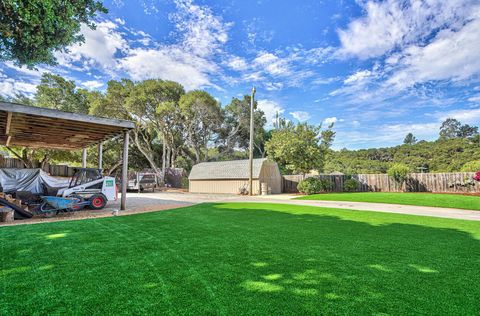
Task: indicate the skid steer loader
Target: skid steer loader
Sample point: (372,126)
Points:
(89,185)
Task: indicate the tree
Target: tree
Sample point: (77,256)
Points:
(471,166)
(450,128)
(467,131)
(202,119)
(299,148)
(410,139)
(55,92)
(32,31)
(399,172)
(155,105)
(235,131)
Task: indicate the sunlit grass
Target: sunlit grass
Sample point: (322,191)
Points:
(235,259)
(420,199)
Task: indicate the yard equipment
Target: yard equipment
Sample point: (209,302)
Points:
(91,186)
(53,204)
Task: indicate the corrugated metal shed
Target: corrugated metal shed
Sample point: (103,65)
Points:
(234,169)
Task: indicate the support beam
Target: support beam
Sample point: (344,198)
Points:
(84,158)
(100,156)
(9,123)
(123,201)
(9,138)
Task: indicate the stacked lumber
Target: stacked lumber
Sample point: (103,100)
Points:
(16,204)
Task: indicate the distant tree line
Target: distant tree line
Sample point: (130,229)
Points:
(456,149)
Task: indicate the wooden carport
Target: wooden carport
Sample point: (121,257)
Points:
(34,127)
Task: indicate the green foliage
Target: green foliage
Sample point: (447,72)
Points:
(350,185)
(471,166)
(235,131)
(32,31)
(55,92)
(446,155)
(399,172)
(202,118)
(452,128)
(313,185)
(299,148)
(410,139)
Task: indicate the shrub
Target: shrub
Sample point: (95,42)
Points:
(399,172)
(350,185)
(313,185)
(472,166)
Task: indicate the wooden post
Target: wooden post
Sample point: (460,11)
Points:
(123,201)
(84,158)
(250,156)
(100,156)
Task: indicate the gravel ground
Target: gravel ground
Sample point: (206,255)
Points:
(158,201)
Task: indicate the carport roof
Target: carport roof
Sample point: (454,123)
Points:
(29,126)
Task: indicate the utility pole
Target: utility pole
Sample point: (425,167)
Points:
(250,179)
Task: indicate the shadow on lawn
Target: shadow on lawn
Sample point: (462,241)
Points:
(247,259)
(333,265)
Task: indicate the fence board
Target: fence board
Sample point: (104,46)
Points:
(460,182)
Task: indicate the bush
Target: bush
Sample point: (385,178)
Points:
(399,172)
(472,166)
(350,185)
(313,185)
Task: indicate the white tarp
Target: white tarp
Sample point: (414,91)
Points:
(31,180)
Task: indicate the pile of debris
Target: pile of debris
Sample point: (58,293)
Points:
(12,208)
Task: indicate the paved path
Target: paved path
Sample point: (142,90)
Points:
(385,208)
(287,199)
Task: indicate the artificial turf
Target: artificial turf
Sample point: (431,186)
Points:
(420,199)
(233,259)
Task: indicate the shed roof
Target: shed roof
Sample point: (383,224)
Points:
(233,169)
(29,126)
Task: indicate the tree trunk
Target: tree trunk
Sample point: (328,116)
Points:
(147,153)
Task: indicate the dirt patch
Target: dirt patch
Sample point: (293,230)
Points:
(85,214)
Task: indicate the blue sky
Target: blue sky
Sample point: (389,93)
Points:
(377,69)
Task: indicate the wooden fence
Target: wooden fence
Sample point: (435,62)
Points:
(54,170)
(460,182)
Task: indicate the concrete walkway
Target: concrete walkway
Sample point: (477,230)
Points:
(378,207)
(288,199)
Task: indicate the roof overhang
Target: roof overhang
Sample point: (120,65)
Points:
(34,127)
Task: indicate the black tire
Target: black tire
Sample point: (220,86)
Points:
(97,201)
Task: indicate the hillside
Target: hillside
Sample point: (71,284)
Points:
(436,156)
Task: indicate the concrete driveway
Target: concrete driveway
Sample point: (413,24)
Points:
(158,199)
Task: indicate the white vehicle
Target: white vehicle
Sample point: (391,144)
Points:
(90,185)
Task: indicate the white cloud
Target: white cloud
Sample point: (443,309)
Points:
(358,76)
(331,120)
(272,86)
(452,55)
(99,48)
(237,63)
(271,64)
(170,64)
(474,98)
(300,115)
(190,61)
(271,110)
(393,24)
(10,87)
(92,84)
(469,116)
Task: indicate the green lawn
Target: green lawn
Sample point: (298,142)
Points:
(233,259)
(421,199)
